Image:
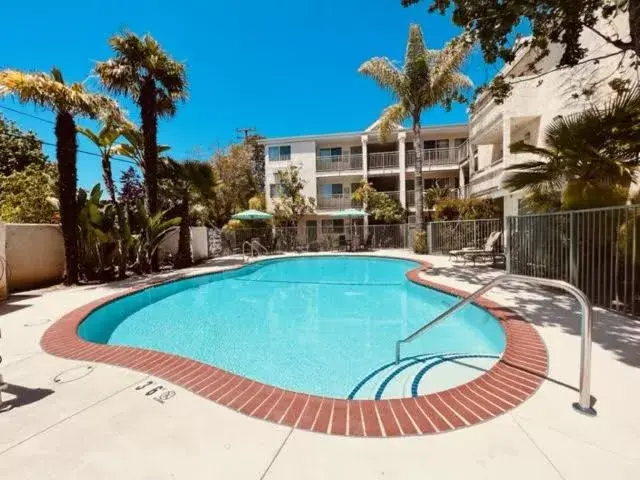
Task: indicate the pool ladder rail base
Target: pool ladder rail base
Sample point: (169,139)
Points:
(585,403)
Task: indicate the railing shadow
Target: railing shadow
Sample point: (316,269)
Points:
(547,307)
(23,396)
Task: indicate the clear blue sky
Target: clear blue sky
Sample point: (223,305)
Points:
(284,67)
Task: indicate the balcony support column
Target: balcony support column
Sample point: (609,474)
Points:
(365,157)
(402,163)
(506,140)
(365,168)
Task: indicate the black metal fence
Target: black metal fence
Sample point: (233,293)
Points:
(595,250)
(445,236)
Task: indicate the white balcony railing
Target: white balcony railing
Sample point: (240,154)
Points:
(434,157)
(381,160)
(339,163)
(336,202)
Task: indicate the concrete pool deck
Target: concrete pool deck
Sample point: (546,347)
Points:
(72,419)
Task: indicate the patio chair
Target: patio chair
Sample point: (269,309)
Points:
(470,253)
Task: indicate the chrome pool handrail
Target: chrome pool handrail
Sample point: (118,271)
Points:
(584,403)
(252,244)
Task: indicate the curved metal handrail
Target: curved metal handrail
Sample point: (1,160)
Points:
(252,244)
(584,403)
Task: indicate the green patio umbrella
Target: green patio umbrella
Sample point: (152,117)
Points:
(350,213)
(252,215)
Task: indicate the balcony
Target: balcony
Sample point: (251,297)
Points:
(383,160)
(339,163)
(434,157)
(337,201)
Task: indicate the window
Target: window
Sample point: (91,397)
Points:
(444,143)
(333,225)
(274,190)
(280,153)
(333,152)
(328,189)
(459,141)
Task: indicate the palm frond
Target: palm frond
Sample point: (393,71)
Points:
(384,72)
(391,116)
(138,59)
(50,91)
(447,79)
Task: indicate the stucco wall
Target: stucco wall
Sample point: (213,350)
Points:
(303,155)
(34,255)
(169,245)
(3,266)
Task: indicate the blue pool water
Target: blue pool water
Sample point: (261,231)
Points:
(320,325)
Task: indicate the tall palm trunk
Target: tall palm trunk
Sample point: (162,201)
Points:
(418,187)
(66,150)
(149,116)
(184,258)
(111,188)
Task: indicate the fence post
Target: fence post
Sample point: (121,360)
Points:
(573,250)
(507,243)
(430,238)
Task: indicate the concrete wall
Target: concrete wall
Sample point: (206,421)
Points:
(34,255)
(199,245)
(3,266)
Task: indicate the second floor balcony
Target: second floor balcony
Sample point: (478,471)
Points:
(434,157)
(339,163)
(383,160)
(337,201)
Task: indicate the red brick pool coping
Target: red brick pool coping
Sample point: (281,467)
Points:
(511,381)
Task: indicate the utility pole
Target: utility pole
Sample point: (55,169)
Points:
(246,132)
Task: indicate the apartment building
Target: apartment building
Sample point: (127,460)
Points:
(536,100)
(471,159)
(333,165)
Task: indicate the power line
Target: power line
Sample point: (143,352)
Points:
(94,154)
(27,114)
(117,159)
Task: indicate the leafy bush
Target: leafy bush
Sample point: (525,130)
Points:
(26,195)
(465,209)
(420,242)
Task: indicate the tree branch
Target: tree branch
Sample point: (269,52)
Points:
(564,67)
(622,45)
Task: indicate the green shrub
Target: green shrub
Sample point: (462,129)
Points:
(466,209)
(420,242)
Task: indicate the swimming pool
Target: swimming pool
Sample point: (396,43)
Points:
(319,325)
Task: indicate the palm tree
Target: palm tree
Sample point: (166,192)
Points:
(105,140)
(143,71)
(66,101)
(190,182)
(590,158)
(427,78)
